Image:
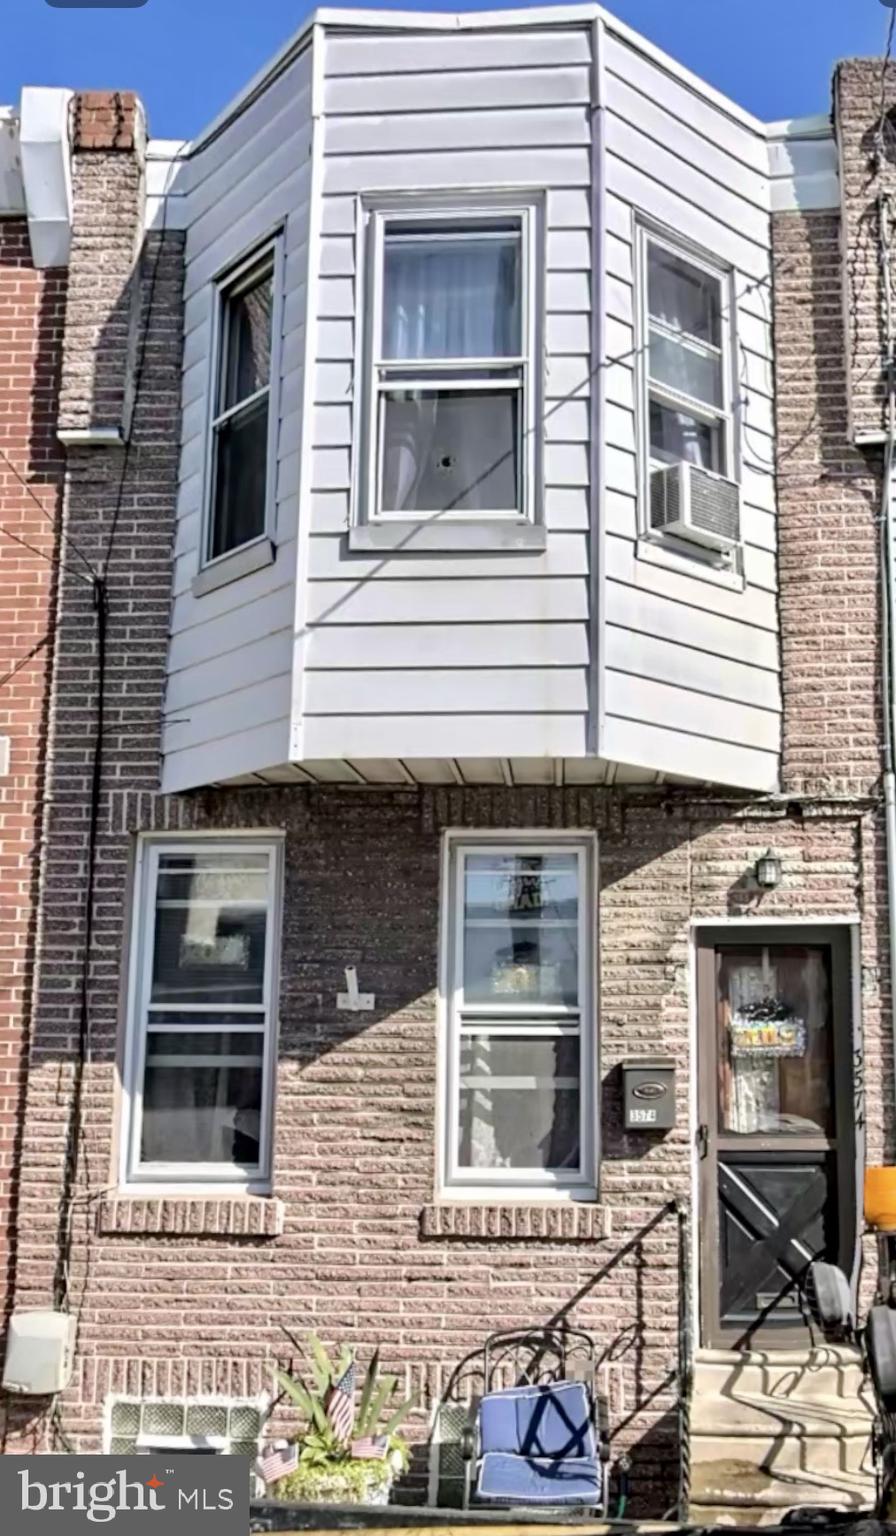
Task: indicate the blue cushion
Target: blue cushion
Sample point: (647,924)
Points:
(497,1422)
(539,1480)
(550,1420)
(554,1421)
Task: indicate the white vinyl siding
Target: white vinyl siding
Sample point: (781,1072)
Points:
(234,192)
(569,634)
(474,121)
(680,166)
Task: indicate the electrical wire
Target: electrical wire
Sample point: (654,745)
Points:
(29,491)
(32,549)
(24,660)
(74,1133)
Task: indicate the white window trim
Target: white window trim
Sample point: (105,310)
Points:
(147,1444)
(238,561)
(374,214)
(655,545)
(189,1177)
(515,1187)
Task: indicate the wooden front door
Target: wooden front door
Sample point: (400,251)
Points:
(776,1141)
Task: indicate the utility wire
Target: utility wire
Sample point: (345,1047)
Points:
(24,660)
(66,537)
(74,1132)
(41,553)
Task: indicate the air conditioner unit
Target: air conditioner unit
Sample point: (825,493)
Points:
(695,504)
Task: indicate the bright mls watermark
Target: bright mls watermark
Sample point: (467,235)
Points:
(180,1495)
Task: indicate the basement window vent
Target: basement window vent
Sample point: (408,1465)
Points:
(195,1427)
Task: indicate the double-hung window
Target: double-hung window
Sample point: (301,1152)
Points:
(685,344)
(520,1069)
(241,427)
(201,1038)
(450,399)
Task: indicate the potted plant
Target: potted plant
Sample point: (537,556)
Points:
(343,1456)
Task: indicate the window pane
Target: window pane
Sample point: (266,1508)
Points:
(450,451)
(682,296)
(774,1022)
(684,367)
(676,436)
(207,1108)
(452,294)
(521,928)
(519,1103)
(241,475)
(210,930)
(247,342)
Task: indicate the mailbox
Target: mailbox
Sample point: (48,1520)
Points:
(648,1093)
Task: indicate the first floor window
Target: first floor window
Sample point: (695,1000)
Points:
(685,313)
(519,1087)
(202,1010)
(450,341)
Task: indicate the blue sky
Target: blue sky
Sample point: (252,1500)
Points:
(187,58)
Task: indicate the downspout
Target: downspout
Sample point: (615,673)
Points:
(888,598)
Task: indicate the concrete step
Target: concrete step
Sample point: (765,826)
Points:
(751,1418)
(826,1371)
(735,1483)
(773,1430)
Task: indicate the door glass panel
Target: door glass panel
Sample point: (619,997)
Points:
(774,1036)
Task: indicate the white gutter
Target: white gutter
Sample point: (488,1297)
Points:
(47,173)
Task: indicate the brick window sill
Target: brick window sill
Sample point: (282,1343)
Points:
(236,1216)
(570,1222)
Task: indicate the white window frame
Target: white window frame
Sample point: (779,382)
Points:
(200,1176)
(455,1182)
(228,283)
(723,416)
(448,211)
(148,1444)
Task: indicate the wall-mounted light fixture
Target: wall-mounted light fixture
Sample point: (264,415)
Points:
(768,870)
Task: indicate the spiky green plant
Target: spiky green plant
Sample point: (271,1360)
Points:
(378,1413)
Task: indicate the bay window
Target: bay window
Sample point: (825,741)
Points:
(518,1086)
(449,407)
(201,1018)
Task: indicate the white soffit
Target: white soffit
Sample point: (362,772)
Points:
(47,173)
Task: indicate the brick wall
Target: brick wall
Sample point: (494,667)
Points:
(182,1298)
(867,145)
(31,321)
(828,503)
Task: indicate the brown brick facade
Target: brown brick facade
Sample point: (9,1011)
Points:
(179,1296)
(31,470)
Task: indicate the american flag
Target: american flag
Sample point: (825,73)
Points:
(277,1461)
(370,1448)
(340,1404)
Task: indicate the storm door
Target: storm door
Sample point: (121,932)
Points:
(775,1139)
